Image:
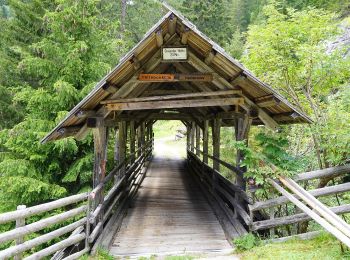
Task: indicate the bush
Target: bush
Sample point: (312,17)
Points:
(246,242)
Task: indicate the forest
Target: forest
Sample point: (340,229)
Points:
(54,52)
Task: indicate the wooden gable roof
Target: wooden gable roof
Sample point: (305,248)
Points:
(204,56)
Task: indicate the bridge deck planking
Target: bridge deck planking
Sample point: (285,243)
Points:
(169,215)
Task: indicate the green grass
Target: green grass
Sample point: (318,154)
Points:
(166,128)
(101,254)
(323,247)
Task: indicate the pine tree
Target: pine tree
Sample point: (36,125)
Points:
(212,17)
(69,46)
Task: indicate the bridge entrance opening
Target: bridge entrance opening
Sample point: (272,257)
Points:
(170,139)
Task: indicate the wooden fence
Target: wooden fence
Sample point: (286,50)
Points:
(85,223)
(270,207)
(232,200)
(223,195)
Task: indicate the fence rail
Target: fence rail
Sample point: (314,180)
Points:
(85,223)
(261,215)
(270,205)
(225,196)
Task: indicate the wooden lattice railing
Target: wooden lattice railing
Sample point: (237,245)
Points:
(271,207)
(82,221)
(224,196)
(232,203)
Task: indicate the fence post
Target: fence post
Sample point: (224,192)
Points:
(20,222)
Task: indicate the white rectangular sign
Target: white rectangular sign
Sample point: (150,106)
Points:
(174,53)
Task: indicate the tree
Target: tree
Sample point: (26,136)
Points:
(289,52)
(214,18)
(69,46)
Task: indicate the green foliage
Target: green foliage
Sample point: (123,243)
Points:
(322,247)
(335,132)
(246,242)
(236,45)
(289,52)
(101,254)
(335,5)
(212,17)
(267,156)
(63,48)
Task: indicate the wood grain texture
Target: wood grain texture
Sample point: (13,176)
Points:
(169,215)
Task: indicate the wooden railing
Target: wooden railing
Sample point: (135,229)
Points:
(118,196)
(18,234)
(270,207)
(223,195)
(85,224)
(261,215)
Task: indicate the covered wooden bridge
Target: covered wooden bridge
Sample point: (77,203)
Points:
(152,205)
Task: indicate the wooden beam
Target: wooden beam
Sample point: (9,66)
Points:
(318,174)
(100,157)
(210,57)
(82,133)
(193,127)
(94,122)
(242,127)
(68,131)
(238,79)
(174,104)
(136,63)
(127,88)
(198,140)
(205,141)
(159,38)
(170,116)
(326,191)
(226,115)
(161,92)
(132,141)
(85,113)
(172,24)
(188,136)
(110,88)
(216,143)
(122,138)
(169,97)
(153,116)
(267,101)
(222,83)
(190,77)
(185,35)
(190,85)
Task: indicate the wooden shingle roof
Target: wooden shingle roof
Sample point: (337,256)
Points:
(204,56)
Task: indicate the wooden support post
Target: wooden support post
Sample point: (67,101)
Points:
(205,141)
(20,222)
(272,216)
(193,127)
(132,141)
(216,142)
(242,126)
(116,146)
(139,141)
(150,132)
(198,140)
(100,157)
(122,146)
(143,135)
(188,137)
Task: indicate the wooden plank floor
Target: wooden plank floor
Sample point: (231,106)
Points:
(169,216)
